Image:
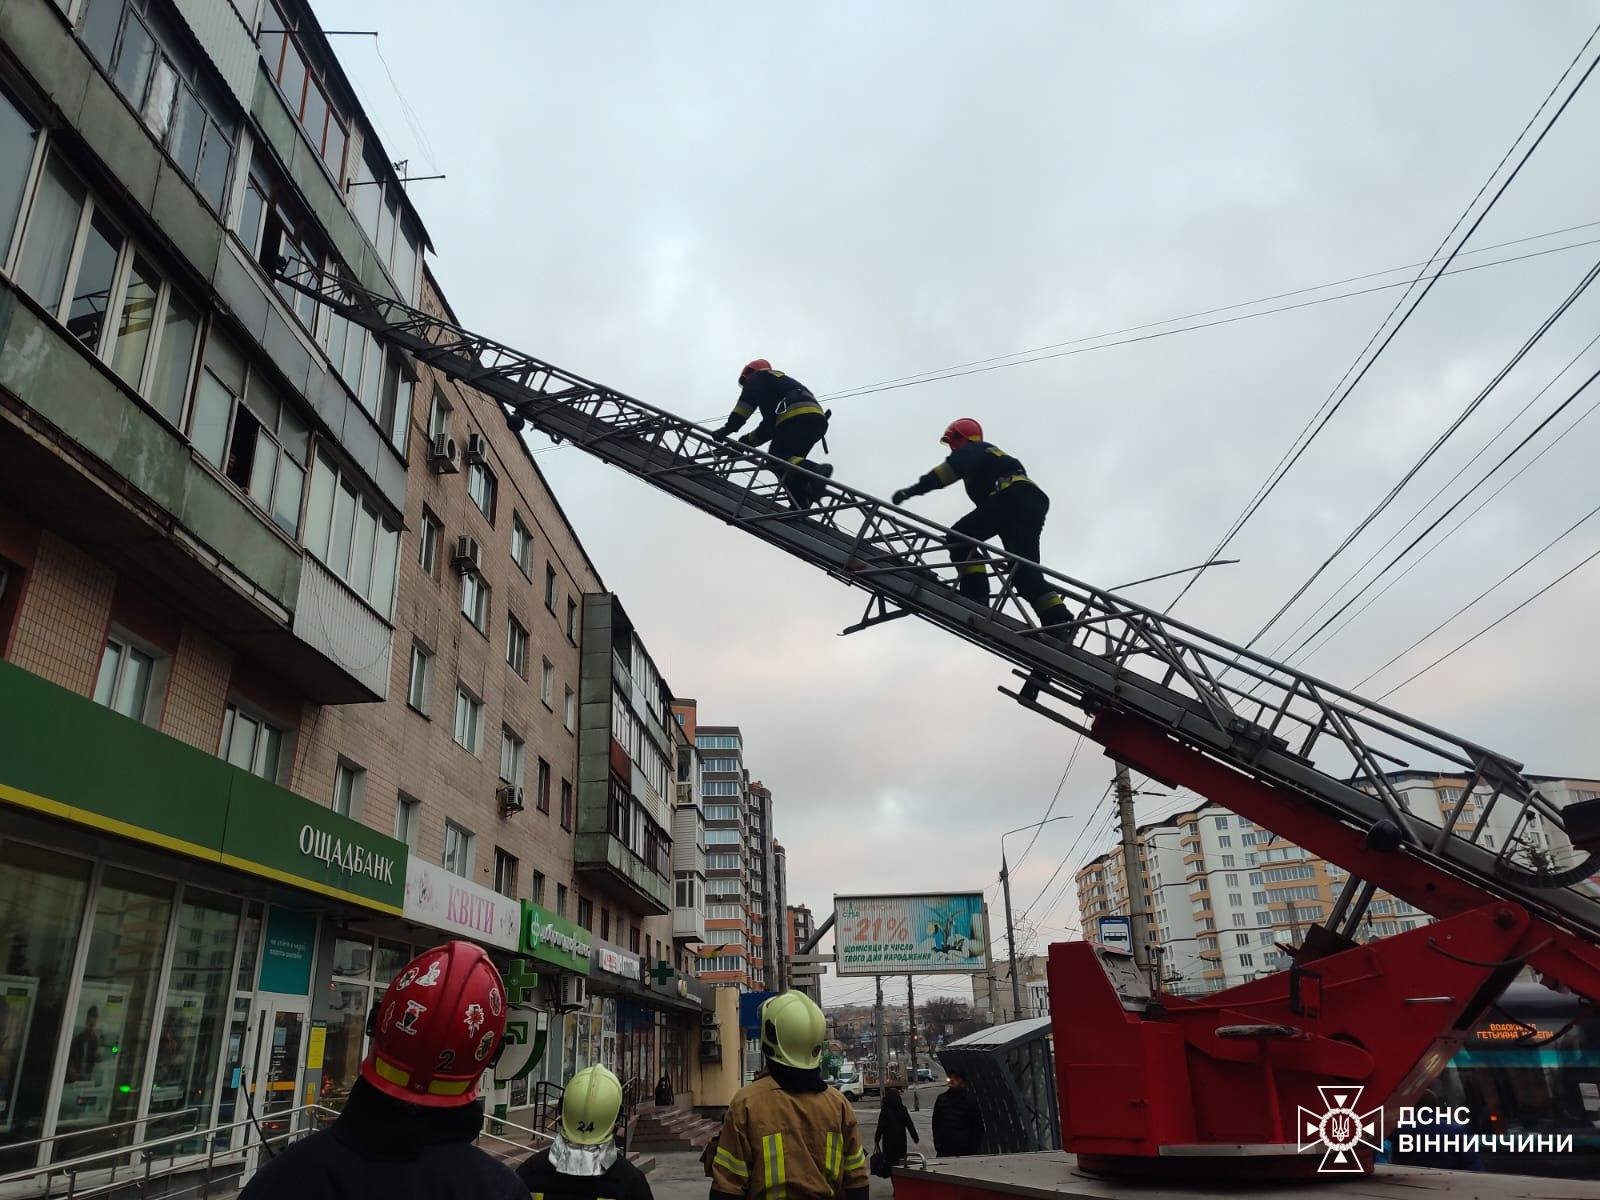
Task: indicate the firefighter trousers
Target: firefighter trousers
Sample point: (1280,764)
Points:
(1016,516)
(792,440)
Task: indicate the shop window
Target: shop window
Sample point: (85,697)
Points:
(193,1010)
(110,1043)
(345,531)
(42,898)
(165,81)
(252,743)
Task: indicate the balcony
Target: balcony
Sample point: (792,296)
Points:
(88,461)
(689,925)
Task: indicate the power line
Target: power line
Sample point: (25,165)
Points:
(1537,554)
(1292,456)
(1440,519)
(1037,829)
(1461,418)
(1449,533)
(1194,328)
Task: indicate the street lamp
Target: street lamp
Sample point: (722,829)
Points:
(1005,883)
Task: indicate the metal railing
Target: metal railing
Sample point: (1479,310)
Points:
(1263,718)
(96,1131)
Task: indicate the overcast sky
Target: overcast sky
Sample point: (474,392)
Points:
(653,194)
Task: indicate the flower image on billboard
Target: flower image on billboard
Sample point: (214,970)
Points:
(911,935)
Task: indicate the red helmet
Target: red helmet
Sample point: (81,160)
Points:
(751,367)
(438,1027)
(961,431)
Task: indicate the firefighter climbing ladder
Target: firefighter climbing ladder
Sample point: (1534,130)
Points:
(1116,660)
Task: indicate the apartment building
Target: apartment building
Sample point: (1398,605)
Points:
(725,791)
(761,848)
(1226,896)
(800,925)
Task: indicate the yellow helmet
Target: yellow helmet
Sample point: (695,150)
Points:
(793,1030)
(589,1107)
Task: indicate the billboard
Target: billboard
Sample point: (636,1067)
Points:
(911,935)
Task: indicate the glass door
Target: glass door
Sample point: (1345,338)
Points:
(272,1088)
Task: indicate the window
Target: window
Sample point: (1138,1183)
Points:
(1259,898)
(605,924)
(1235,899)
(374,197)
(1242,939)
(19,138)
(407,820)
(475,600)
(1227,860)
(251,743)
(419,693)
(1279,874)
(349,783)
(516,646)
(505,873)
(538,887)
(345,531)
(633,939)
(1231,880)
(457,850)
(717,741)
(550,587)
(724,837)
(561,899)
(481,487)
(428,544)
(469,720)
(544,786)
(721,765)
(166,85)
(569,709)
(572,632)
(1247,960)
(720,787)
(723,862)
(585,912)
(1225,840)
(521,545)
(124,685)
(1220,822)
(438,417)
(77,264)
(294,70)
(547,681)
(722,812)
(512,751)
(566,804)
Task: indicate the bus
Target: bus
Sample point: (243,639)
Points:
(1531,1065)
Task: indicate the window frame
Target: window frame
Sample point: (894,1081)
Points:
(519,756)
(521,532)
(430,537)
(235,708)
(568,804)
(128,645)
(474,714)
(407,820)
(572,622)
(517,642)
(505,863)
(345,769)
(490,488)
(542,786)
(423,706)
(569,709)
(550,588)
(547,683)
(478,615)
(466,840)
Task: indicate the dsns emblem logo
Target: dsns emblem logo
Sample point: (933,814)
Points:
(1340,1129)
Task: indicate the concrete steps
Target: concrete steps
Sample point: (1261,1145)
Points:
(661,1129)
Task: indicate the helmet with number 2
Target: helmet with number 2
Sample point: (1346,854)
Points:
(438,1027)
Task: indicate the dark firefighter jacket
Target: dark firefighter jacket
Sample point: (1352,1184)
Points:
(621,1181)
(384,1147)
(983,468)
(791,1140)
(777,397)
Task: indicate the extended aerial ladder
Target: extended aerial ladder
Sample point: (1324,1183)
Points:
(1301,757)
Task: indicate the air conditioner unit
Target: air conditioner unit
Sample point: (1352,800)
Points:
(572,993)
(468,556)
(477,448)
(708,1019)
(510,797)
(442,455)
(709,1035)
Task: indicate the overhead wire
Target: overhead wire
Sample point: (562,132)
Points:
(1072,758)
(1336,398)
(1445,514)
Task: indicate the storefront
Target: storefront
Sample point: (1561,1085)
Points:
(656,1021)
(160,912)
(568,1028)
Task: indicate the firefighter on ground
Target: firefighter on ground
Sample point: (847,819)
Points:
(1010,506)
(789,1136)
(791,419)
(407,1130)
(584,1162)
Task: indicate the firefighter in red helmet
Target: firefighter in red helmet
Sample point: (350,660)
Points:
(791,419)
(1009,506)
(407,1130)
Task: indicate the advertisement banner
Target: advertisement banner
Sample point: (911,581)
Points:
(444,900)
(614,960)
(911,935)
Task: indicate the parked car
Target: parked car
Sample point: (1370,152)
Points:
(924,1074)
(850,1084)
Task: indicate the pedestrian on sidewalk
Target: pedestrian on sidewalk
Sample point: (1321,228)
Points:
(585,1162)
(957,1119)
(664,1095)
(894,1122)
(407,1130)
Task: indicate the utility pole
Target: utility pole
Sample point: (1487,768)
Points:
(1011,939)
(1137,918)
(882,1042)
(911,1022)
